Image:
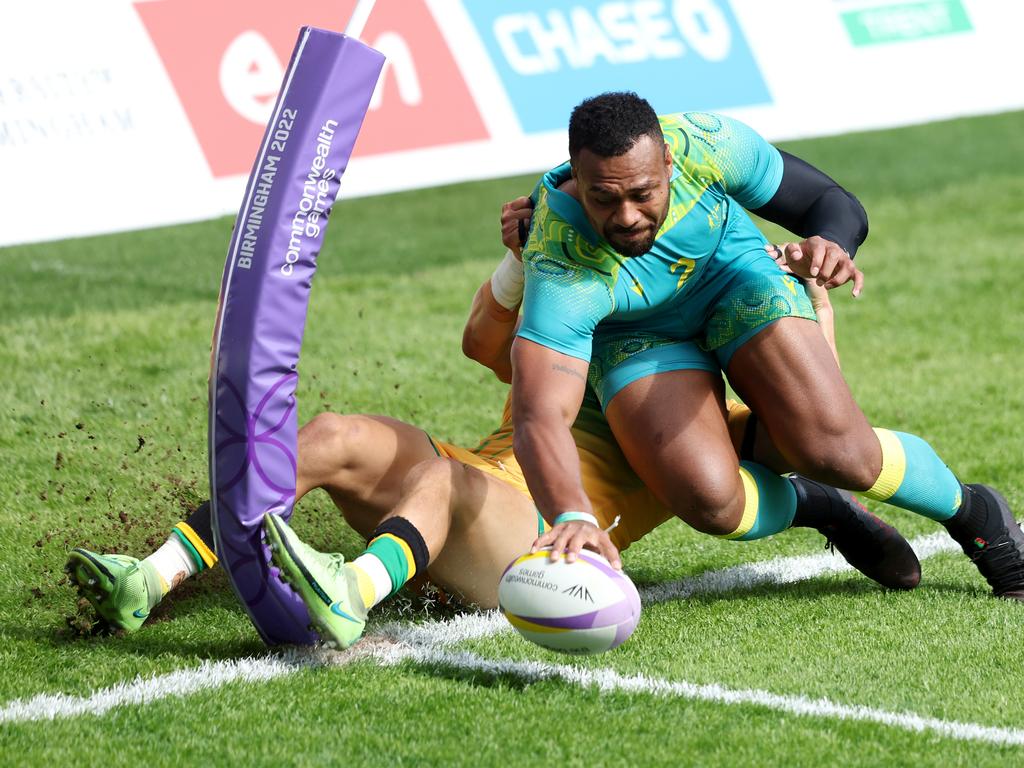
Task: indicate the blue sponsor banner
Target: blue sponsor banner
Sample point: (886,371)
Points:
(679,54)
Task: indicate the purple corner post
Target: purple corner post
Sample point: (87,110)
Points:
(262,314)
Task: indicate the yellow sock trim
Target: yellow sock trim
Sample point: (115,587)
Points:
(750,503)
(409,559)
(367,593)
(894,467)
(209,558)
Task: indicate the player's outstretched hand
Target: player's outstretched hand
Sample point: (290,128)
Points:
(515,223)
(816,292)
(573,536)
(821,260)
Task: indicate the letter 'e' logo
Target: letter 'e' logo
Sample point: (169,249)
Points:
(226,68)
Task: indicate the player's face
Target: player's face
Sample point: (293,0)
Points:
(626,197)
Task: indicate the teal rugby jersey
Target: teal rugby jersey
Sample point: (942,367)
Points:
(574,279)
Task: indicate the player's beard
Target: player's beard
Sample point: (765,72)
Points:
(635,245)
(641,239)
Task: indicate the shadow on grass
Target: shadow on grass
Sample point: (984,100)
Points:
(850,585)
(476,678)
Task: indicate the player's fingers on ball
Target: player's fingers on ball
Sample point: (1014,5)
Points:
(574,545)
(559,544)
(543,540)
(610,552)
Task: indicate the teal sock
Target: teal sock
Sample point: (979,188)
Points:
(769,506)
(914,478)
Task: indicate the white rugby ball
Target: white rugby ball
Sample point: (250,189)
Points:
(581,607)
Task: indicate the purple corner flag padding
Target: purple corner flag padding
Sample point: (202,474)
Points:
(262,313)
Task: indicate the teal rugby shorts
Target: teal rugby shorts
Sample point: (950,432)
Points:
(753,297)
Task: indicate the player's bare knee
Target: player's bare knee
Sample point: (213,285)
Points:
(336,435)
(714,507)
(846,462)
(437,474)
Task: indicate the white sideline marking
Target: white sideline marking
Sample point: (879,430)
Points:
(182,682)
(608,680)
(424,643)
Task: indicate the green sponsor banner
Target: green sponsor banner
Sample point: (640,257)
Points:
(906,21)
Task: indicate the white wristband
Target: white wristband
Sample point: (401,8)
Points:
(568,517)
(507,281)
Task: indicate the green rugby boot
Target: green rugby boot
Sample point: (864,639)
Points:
(329,589)
(121,589)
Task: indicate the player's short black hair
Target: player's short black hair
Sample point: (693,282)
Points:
(609,124)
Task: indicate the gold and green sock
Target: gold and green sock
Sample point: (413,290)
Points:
(395,554)
(187,551)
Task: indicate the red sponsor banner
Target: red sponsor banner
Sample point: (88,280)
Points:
(226,61)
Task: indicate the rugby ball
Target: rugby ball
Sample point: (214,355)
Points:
(581,607)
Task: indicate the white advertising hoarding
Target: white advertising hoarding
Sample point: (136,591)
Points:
(121,115)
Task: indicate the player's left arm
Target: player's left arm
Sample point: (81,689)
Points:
(494,314)
(787,191)
(833,222)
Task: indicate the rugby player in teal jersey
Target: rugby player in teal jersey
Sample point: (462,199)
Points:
(461,514)
(644,273)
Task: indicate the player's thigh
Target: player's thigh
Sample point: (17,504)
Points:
(788,376)
(492,524)
(672,428)
(361,461)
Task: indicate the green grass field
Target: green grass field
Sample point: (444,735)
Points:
(103,444)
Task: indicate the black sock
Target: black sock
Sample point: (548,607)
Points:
(201,521)
(817,505)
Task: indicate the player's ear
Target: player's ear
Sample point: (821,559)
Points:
(668,158)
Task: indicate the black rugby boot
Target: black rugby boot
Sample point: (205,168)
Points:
(986,529)
(869,544)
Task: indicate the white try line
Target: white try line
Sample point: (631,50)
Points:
(183,682)
(606,680)
(425,643)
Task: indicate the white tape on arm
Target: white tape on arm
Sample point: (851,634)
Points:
(507,281)
(568,517)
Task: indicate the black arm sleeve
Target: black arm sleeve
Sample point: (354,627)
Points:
(809,203)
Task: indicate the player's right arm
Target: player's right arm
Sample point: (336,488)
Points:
(493,319)
(547,390)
